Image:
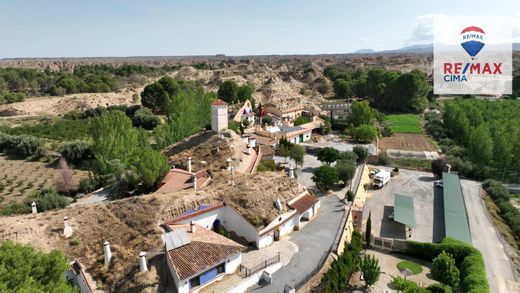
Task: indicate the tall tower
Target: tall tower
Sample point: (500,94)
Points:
(219,115)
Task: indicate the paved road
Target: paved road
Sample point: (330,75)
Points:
(484,237)
(314,240)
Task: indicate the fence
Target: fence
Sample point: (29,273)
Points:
(310,275)
(250,271)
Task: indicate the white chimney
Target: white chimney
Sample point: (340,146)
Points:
(67,230)
(291,172)
(449,167)
(192,226)
(33,207)
(194,176)
(189,164)
(278,204)
(228,164)
(143,267)
(108,252)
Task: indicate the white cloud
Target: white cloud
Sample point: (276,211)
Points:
(423,30)
(363,40)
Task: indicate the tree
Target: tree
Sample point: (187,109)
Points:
(325,177)
(157,95)
(284,151)
(362,154)
(301,120)
(346,170)
(297,154)
(23,269)
(444,269)
(365,133)
(341,88)
(64,182)
(369,267)
(480,145)
(245,92)
(368,230)
(439,166)
(227,91)
(124,152)
(361,114)
(328,155)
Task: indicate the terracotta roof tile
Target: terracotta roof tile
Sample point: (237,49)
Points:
(304,202)
(219,102)
(206,250)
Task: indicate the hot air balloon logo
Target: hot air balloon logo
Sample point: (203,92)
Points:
(472,40)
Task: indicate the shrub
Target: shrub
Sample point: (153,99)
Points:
(364,133)
(22,145)
(144,118)
(439,288)
(384,159)
(502,199)
(48,199)
(350,195)
(401,284)
(266,165)
(15,208)
(473,269)
(76,152)
(445,270)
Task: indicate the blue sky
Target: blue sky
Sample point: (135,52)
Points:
(75,28)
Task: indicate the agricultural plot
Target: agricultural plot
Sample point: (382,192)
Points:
(407,141)
(20,178)
(404,123)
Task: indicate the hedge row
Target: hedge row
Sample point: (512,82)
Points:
(469,261)
(22,145)
(502,199)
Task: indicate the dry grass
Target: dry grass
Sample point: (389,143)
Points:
(502,227)
(132,225)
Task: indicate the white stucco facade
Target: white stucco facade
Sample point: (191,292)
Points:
(219,116)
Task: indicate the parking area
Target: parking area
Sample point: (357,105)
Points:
(428,207)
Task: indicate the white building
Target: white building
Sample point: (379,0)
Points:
(299,210)
(197,257)
(219,115)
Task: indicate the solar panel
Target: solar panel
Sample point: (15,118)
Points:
(176,238)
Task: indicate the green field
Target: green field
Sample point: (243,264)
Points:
(413,267)
(404,123)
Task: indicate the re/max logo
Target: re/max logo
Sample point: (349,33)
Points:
(472,68)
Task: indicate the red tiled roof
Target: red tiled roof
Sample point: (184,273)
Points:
(218,102)
(304,202)
(266,150)
(196,213)
(179,179)
(206,250)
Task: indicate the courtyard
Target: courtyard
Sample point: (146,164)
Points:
(428,207)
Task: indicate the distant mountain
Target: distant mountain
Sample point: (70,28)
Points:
(425,49)
(364,51)
(417,49)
